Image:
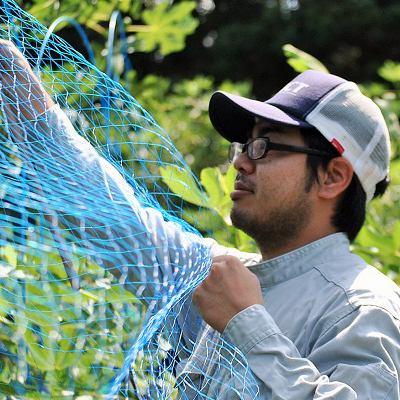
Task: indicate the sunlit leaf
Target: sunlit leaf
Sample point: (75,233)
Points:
(9,255)
(168,26)
(212,180)
(301,61)
(390,71)
(13,388)
(182,183)
(38,355)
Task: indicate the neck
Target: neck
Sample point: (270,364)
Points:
(310,234)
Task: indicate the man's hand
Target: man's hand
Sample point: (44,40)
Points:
(229,288)
(21,91)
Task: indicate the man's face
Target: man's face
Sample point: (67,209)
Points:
(270,200)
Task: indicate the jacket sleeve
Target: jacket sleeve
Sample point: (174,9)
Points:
(100,214)
(357,358)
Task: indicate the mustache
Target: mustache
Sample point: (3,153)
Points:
(245,181)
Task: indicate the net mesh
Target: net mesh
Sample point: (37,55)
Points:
(96,267)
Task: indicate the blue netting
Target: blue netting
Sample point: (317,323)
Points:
(96,268)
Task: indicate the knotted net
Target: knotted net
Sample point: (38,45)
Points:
(96,268)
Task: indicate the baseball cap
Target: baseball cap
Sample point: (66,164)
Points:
(350,121)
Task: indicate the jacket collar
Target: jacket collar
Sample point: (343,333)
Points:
(299,261)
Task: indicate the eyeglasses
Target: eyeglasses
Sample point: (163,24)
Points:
(259,147)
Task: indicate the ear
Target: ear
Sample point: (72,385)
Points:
(335,179)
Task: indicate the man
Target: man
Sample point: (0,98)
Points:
(308,320)
(313,320)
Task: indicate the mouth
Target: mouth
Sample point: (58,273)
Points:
(241,190)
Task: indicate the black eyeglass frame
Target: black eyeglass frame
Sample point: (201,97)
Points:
(273,146)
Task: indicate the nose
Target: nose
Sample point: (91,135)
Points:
(243,163)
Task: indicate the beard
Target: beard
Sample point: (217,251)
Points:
(275,228)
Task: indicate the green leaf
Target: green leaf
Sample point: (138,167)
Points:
(203,220)
(390,71)
(117,294)
(182,183)
(301,61)
(131,6)
(212,180)
(244,242)
(9,255)
(230,179)
(396,236)
(35,295)
(219,187)
(12,388)
(37,396)
(168,28)
(5,305)
(38,356)
(44,316)
(67,355)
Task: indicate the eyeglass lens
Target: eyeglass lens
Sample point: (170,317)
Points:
(256,149)
(234,149)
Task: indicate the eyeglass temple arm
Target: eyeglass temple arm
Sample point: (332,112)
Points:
(299,149)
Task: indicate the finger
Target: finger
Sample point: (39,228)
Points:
(196,297)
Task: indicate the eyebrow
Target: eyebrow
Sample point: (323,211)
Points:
(264,130)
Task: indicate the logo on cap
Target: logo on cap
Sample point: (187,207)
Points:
(337,146)
(294,87)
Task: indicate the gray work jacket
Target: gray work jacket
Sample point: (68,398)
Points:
(330,325)
(329,329)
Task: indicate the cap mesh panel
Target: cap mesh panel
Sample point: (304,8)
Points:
(345,110)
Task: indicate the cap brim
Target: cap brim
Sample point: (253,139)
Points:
(233,116)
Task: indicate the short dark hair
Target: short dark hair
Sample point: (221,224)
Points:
(350,212)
